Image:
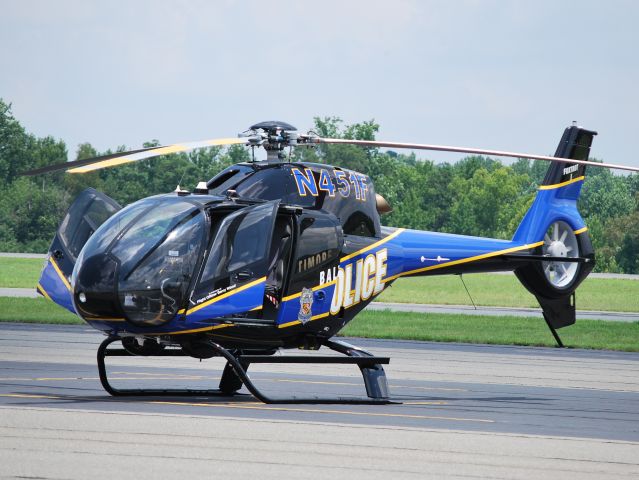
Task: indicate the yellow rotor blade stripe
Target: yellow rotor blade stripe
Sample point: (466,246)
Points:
(169,149)
(226,141)
(176,148)
(112,162)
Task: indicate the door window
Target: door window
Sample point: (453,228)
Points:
(88,211)
(238,253)
(320,242)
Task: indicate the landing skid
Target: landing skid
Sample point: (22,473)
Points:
(235,374)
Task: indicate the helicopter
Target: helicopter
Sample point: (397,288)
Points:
(277,254)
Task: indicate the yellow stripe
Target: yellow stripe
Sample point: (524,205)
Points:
(297,322)
(104,319)
(376,244)
(43,292)
(352,413)
(57,269)
(125,158)
(562,184)
(195,330)
(179,332)
(169,149)
(259,307)
(226,141)
(226,295)
(318,287)
(465,260)
(96,166)
(432,267)
(581,230)
(343,259)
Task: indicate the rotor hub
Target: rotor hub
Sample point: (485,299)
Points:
(274,136)
(557,249)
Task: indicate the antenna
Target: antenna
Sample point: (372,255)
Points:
(461,277)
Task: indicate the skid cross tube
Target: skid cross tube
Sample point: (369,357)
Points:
(235,374)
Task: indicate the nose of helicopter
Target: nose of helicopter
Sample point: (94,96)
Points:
(94,288)
(139,264)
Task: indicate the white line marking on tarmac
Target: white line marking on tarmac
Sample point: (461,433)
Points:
(259,406)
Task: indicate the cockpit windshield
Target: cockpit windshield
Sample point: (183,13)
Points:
(153,247)
(147,233)
(158,258)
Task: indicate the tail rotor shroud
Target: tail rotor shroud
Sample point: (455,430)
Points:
(560,241)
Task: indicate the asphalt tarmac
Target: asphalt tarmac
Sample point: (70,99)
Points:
(466,411)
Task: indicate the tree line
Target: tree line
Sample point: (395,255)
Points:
(474,196)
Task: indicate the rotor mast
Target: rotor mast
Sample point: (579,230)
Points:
(274,136)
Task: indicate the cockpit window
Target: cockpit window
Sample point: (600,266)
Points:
(113,226)
(85,215)
(153,292)
(147,232)
(266,184)
(227,179)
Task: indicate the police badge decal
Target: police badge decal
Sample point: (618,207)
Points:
(306,302)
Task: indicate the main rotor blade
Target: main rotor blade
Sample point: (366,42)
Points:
(127,157)
(120,158)
(78,163)
(477,151)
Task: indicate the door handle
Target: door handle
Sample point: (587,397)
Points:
(243,276)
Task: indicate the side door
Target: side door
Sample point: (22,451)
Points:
(88,211)
(234,273)
(319,242)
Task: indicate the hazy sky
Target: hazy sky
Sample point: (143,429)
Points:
(492,74)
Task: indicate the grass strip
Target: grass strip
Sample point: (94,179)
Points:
(20,272)
(35,310)
(593,334)
(495,290)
